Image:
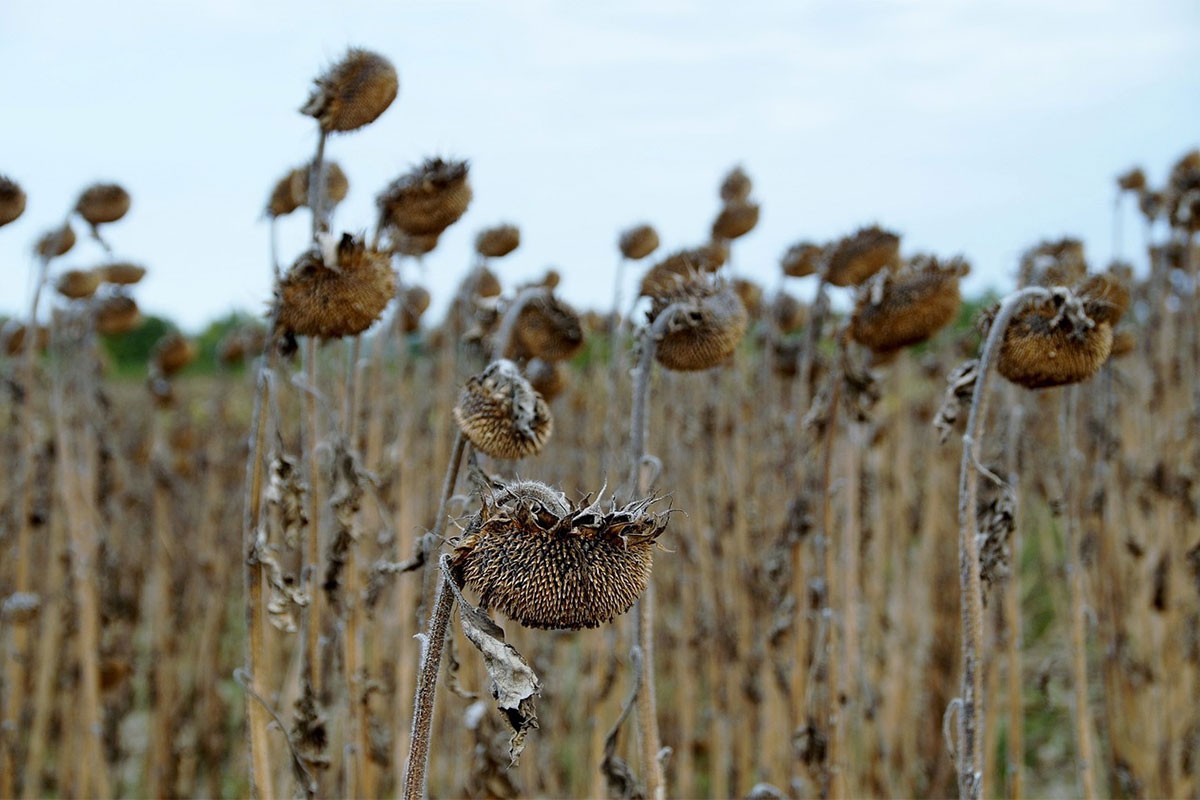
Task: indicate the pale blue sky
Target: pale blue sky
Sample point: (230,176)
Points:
(973,128)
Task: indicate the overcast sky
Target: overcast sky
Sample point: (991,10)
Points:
(973,128)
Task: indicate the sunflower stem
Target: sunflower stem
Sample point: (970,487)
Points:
(970,717)
(415,774)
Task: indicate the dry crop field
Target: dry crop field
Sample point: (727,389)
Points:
(707,542)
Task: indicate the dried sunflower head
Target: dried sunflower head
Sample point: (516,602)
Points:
(1133,180)
(498,241)
(789,314)
(57,242)
(1056,262)
(353,92)
(78,284)
(547,328)
(1053,342)
(546,378)
(706,327)
(12,335)
(117,314)
(414,301)
(1182,193)
(501,414)
(122,273)
(751,295)
(172,353)
(546,562)
(735,220)
(103,202)
(428,199)
(855,258)
(638,242)
(678,267)
(12,200)
(337,185)
(736,185)
(341,297)
(896,310)
(801,259)
(1124,342)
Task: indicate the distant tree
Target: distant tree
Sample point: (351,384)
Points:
(130,352)
(210,338)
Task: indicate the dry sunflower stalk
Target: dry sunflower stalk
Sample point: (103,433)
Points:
(501,414)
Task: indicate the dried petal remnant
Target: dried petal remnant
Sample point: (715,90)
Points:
(501,414)
(334,300)
(353,92)
(549,563)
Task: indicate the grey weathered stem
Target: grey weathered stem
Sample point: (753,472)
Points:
(970,728)
(428,543)
(643,648)
(1079,675)
(423,702)
(257,717)
(812,339)
(1012,611)
(312,543)
(316,187)
(508,324)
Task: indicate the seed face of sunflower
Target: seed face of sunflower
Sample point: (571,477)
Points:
(103,202)
(57,242)
(801,259)
(12,200)
(735,220)
(78,284)
(855,258)
(428,199)
(501,414)
(1054,343)
(705,330)
(547,328)
(548,563)
(893,311)
(331,301)
(353,92)
(498,242)
(638,242)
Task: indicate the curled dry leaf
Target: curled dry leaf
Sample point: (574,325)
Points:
(961,385)
(514,683)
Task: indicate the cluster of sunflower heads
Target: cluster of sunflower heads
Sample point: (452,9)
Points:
(547,562)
